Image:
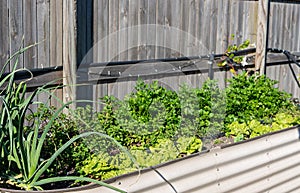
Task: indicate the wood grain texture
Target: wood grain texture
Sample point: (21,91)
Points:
(101,26)
(43,36)
(174,22)
(30,35)
(151,35)
(56,46)
(43,33)
(123,30)
(184,24)
(4,34)
(16,29)
(113,29)
(142,29)
(69,51)
(261,40)
(132,30)
(210,22)
(160,51)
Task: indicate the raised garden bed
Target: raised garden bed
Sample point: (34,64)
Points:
(267,163)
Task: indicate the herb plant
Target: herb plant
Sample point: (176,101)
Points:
(149,114)
(251,97)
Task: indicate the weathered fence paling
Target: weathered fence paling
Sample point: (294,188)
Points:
(67,30)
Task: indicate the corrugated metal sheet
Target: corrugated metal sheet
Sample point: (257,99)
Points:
(267,164)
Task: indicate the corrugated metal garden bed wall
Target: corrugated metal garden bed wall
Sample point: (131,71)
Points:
(270,163)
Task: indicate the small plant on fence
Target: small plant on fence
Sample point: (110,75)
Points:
(230,59)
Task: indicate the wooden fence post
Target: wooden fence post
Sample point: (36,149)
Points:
(69,51)
(262,33)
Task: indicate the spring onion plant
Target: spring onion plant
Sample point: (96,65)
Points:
(20,147)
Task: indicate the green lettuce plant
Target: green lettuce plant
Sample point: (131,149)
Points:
(105,165)
(254,128)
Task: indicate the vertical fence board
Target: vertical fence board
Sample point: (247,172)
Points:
(113,29)
(30,26)
(160,32)
(4,34)
(295,47)
(239,21)
(263,7)
(281,71)
(30,37)
(43,33)
(205,21)
(274,36)
(123,28)
(132,32)
(286,75)
(56,39)
(56,33)
(174,18)
(212,15)
(191,43)
(101,15)
(16,29)
(69,50)
(43,36)
(113,37)
(142,30)
(101,41)
(201,27)
(222,28)
(184,27)
(151,35)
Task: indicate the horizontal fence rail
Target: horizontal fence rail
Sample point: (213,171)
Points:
(119,77)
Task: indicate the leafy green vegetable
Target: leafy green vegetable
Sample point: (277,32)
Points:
(106,165)
(253,97)
(254,128)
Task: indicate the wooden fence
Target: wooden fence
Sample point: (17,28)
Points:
(188,28)
(120,30)
(51,24)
